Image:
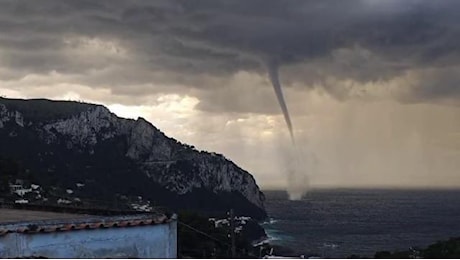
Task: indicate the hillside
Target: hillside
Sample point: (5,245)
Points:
(80,152)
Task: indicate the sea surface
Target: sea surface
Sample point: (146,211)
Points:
(337,223)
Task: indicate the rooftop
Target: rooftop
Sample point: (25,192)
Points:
(42,221)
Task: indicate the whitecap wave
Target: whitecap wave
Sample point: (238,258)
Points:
(270,221)
(330,245)
(278,236)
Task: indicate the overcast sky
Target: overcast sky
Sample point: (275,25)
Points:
(372,85)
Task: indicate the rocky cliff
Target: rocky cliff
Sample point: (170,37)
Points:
(60,144)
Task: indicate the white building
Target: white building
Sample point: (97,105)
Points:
(25,234)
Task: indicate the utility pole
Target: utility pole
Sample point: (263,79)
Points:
(232,232)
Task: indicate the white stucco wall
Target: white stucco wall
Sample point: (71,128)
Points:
(150,241)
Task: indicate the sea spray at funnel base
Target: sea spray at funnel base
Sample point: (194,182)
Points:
(274,78)
(298,166)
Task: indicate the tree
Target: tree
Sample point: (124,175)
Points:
(9,169)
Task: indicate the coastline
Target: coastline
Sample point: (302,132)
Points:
(268,247)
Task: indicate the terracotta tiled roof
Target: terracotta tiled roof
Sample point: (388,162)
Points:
(90,222)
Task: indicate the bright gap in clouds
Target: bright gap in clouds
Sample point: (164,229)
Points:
(170,114)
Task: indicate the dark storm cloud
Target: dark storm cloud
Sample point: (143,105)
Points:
(202,43)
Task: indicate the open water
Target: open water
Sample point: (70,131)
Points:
(337,223)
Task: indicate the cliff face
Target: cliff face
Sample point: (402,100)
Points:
(74,142)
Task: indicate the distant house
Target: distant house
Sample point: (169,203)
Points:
(34,186)
(15,187)
(22,192)
(19,189)
(27,233)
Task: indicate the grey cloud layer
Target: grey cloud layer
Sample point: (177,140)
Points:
(204,43)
